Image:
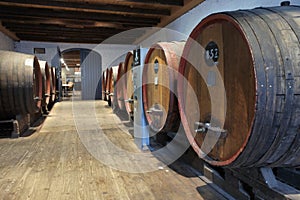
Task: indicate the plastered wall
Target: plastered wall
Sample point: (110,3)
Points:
(6,43)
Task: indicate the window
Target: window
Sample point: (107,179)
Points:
(39,50)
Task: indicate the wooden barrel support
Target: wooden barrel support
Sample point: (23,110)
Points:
(257,55)
(21,84)
(160,86)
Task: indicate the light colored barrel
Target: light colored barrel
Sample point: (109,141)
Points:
(120,87)
(128,90)
(160,86)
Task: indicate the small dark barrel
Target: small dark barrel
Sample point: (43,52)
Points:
(110,86)
(120,87)
(20,84)
(46,85)
(128,90)
(256,54)
(104,85)
(160,86)
(53,85)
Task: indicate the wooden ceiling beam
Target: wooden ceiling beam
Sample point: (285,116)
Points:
(154,3)
(54,28)
(70,35)
(44,30)
(85,7)
(48,13)
(8,33)
(61,22)
(63,39)
(76,40)
(164,2)
(83,36)
(29,20)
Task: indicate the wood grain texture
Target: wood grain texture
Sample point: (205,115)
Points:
(259,66)
(129,89)
(54,164)
(160,86)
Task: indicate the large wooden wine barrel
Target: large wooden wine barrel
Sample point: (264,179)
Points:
(110,87)
(20,84)
(104,85)
(255,55)
(160,86)
(46,85)
(120,87)
(128,90)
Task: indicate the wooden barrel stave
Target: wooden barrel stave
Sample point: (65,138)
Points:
(17,77)
(286,134)
(162,97)
(21,84)
(271,138)
(53,85)
(120,87)
(263,136)
(128,90)
(286,141)
(104,85)
(110,87)
(46,89)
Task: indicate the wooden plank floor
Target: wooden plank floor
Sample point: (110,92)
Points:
(54,163)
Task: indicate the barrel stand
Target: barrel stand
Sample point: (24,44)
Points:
(15,127)
(261,183)
(19,125)
(247,183)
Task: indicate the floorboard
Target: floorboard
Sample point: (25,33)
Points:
(55,162)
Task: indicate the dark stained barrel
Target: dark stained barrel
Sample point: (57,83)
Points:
(120,87)
(20,84)
(110,87)
(255,55)
(160,86)
(104,85)
(46,85)
(128,90)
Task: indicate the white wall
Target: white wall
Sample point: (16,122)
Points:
(109,52)
(6,43)
(187,22)
(181,28)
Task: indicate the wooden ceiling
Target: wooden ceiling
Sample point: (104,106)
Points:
(86,21)
(71,58)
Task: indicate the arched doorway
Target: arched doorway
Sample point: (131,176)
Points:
(84,68)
